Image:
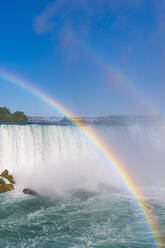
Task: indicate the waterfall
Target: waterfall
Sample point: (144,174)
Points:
(40,156)
(55,155)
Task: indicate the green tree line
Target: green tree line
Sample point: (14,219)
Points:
(7,116)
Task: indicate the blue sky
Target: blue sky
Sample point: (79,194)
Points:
(96,57)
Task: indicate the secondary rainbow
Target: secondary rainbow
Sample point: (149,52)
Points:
(159,240)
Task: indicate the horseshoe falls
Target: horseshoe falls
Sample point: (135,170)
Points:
(82,201)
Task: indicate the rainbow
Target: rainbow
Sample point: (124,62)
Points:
(159,240)
(116,77)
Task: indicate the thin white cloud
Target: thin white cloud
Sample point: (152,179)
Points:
(44,21)
(63,9)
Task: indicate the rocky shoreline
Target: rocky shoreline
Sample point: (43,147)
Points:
(7,184)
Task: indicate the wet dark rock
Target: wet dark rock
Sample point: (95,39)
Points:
(29,192)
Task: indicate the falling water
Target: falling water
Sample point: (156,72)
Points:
(83,202)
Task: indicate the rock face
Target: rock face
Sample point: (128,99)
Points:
(7,181)
(5,187)
(4,173)
(29,192)
(10,178)
(2,181)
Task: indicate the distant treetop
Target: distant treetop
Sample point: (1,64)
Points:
(7,116)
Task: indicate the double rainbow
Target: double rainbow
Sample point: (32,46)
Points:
(159,241)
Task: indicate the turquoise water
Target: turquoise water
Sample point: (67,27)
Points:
(76,219)
(57,162)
